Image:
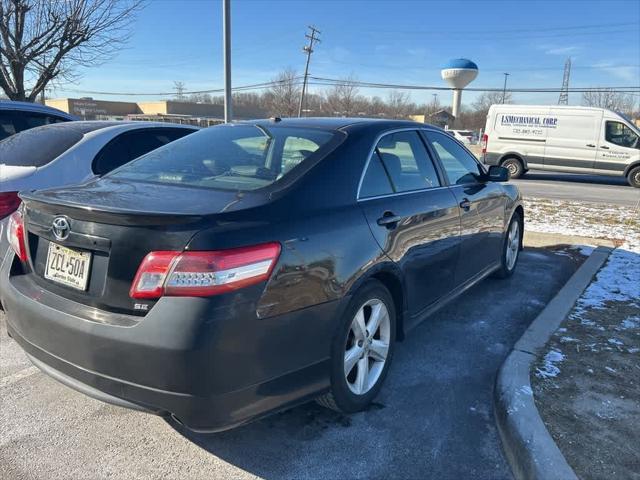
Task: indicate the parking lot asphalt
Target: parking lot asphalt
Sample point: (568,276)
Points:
(432,419)
(580,188)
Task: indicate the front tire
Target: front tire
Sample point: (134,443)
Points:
(633,177)
(362,349)
(511,246)
(515,167)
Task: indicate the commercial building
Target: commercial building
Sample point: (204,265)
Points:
(202,114)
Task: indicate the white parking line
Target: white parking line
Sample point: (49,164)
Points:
(11,379)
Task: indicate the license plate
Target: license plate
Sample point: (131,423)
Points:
(67,266)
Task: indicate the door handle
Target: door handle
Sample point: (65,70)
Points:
(591,145)
(604,147)
(389,220)
(465,204)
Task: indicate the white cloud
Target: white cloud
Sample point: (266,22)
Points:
(627,73)
(562,50)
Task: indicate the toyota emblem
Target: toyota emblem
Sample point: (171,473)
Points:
(61,228)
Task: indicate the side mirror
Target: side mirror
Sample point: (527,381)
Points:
(498,174)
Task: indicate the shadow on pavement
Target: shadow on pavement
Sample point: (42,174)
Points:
(433,418)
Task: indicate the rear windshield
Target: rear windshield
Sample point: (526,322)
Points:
(229,157)
(39,146)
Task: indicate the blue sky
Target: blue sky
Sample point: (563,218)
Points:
(389,41)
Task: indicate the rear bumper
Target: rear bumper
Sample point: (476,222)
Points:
(211,366)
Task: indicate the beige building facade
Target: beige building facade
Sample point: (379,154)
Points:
(163,110)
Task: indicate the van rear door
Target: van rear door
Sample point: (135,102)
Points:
(572,142)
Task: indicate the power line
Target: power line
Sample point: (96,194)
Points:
(333,82)
(323,81)
(525,28)
(308,49)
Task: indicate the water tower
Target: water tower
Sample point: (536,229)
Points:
(458,73)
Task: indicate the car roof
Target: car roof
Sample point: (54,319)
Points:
(33,107)
(87,126)
(337,123)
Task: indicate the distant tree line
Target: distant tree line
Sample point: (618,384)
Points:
(344,100)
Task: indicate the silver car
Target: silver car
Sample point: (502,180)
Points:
(73,152)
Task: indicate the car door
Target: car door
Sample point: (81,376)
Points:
(132,144)
(482,207)
(414,218)
(572,141)
(619,145)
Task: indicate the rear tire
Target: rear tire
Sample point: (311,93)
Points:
(515,167)
(633,177)
(511,246)
(362,349)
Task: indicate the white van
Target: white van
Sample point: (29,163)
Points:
(562,139)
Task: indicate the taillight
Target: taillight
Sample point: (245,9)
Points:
(9,203)
(16,236)
(203,273)
(485,142)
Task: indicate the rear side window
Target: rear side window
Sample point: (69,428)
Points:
(37,147)
(231,157)
(14,121)
(8,124)
(130,145)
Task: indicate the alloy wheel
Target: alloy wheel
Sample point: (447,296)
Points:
(513,244)
(367,346)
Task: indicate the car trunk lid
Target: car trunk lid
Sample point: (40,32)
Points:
(112,225)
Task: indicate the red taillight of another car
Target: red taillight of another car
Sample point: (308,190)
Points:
(203,273)
(9,203)
(485,142)
(16,236)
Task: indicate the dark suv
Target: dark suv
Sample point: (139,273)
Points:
(18,116)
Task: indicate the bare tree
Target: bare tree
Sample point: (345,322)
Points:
(399,104)
(486,99)
(343,98)
(283,97)
(432,107)
(46,40)
(606,98)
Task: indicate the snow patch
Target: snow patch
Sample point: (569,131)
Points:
(569,340)
(549,368)
(629,323)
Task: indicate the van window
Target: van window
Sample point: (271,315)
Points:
(619,134)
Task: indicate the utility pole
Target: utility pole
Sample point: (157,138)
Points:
(504,89)
(564,92)
(308,49)
(226,34)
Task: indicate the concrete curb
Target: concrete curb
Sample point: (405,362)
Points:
(529,448)
(543,239)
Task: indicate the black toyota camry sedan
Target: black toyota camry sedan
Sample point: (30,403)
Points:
(252,266)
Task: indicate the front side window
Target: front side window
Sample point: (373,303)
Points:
(620,134)
(460,166)
(230,157)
